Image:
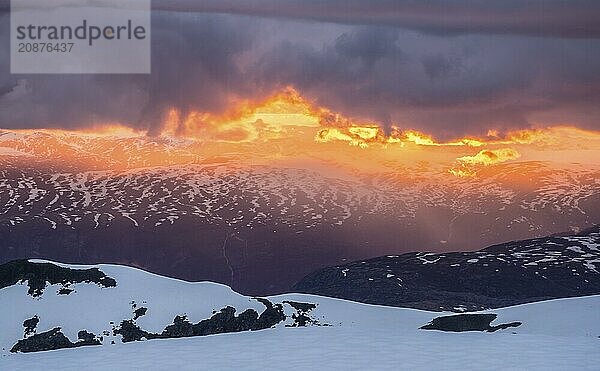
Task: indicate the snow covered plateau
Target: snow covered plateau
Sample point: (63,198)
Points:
(562,334)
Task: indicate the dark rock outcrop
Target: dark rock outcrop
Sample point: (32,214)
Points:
(499,276)
(130,331)
(272,315)
(87,338)
(181,327)
(303,307)
(30,325)
(52,340)
(301,317)
(224,321)
(467,322)
(139,312)
(38,275)
(65,291)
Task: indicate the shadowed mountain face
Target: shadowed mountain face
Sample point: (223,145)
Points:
(501,275)
(261,227)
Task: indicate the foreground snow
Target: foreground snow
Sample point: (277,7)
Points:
(559,334)
(328,348)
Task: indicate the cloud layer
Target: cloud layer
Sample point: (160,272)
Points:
(554,18)
(509,65)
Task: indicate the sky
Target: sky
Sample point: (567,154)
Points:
(449,70)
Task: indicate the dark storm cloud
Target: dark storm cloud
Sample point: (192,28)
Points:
(194,64)
(500,75)
(556,18)
(448,86)
(551,18)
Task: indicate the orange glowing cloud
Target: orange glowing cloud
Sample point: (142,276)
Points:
(564,137)
(197,125)
(359,136)
(103,130)
(287,124)
(467,165)
(363,136)
(426,140)
(246,121)
(490,157)
(274,117)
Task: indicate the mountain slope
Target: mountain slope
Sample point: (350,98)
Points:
(555,334)
(260,218)
(501,275)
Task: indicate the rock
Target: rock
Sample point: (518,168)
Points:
(226,321)
(87,338)
(38,275)
(130,331)
(503,275)
(304,307)
(467,322)
(181,327)
(141,311)
(301,317)
(65,291)
(272,315)
(52,340)
(30,325)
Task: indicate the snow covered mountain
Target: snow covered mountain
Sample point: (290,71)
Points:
(506,274)
(188,210)
(104,310)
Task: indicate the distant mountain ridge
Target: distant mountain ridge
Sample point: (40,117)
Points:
(173,207)
(500,275)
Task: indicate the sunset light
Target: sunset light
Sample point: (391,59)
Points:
(299,185)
